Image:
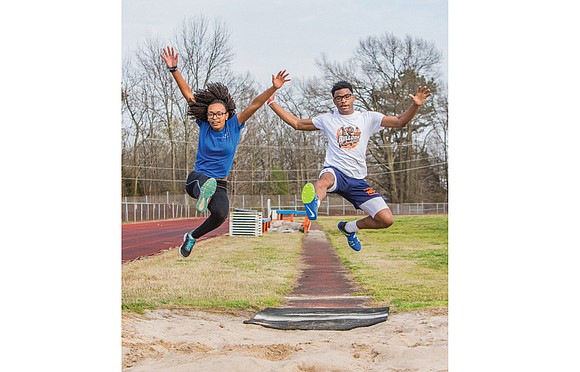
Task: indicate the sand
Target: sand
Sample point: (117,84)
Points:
(182,340)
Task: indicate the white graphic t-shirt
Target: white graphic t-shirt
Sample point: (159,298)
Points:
(348,136)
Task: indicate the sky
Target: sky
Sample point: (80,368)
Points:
(268,36)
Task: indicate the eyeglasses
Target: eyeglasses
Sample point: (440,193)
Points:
(346,97)
(216,114)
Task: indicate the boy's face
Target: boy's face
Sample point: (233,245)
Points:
(344,101)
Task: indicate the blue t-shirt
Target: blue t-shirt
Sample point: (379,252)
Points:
(216,150)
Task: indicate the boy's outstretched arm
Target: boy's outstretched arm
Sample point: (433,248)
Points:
(401,120)
(288,118)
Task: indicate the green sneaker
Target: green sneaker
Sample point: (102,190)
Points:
(310,201)
(205,193)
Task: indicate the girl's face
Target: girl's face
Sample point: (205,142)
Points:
(217,116)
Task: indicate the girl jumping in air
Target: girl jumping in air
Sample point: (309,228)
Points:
(214,112)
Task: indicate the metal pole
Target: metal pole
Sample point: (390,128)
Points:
(147,203)
(126,210)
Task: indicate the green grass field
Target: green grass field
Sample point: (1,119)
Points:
(235,273)
(404,266)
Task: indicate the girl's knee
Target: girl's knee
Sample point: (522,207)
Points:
(220,214)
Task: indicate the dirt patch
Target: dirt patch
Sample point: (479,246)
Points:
(181,340)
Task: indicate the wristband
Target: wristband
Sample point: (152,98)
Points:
(171,69)
(269,102)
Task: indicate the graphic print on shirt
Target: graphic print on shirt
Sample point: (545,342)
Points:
(348,137)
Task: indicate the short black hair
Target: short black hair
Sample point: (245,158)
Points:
(213,93)
(341,85)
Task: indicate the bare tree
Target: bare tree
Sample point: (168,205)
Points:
(437,138)
(383,71)
(302,152)
(159,139)
(204,54)
(138,118)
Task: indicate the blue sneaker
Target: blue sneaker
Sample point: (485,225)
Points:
(353,241)
(205,193)
(187,246)
(310,200)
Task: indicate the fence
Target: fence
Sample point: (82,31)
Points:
(163,207)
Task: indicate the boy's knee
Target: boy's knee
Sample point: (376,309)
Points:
(385,219)
(325,181)
(389,222)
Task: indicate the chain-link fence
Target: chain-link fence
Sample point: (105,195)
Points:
(162,207)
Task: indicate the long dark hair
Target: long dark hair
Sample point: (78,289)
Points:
(213,93)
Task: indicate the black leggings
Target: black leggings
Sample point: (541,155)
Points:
(218,206)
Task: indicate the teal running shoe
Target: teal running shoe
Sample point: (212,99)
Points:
(310,200)
(205,193)
(187,246)
(353,241)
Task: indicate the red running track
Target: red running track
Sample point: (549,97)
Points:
(147,238)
